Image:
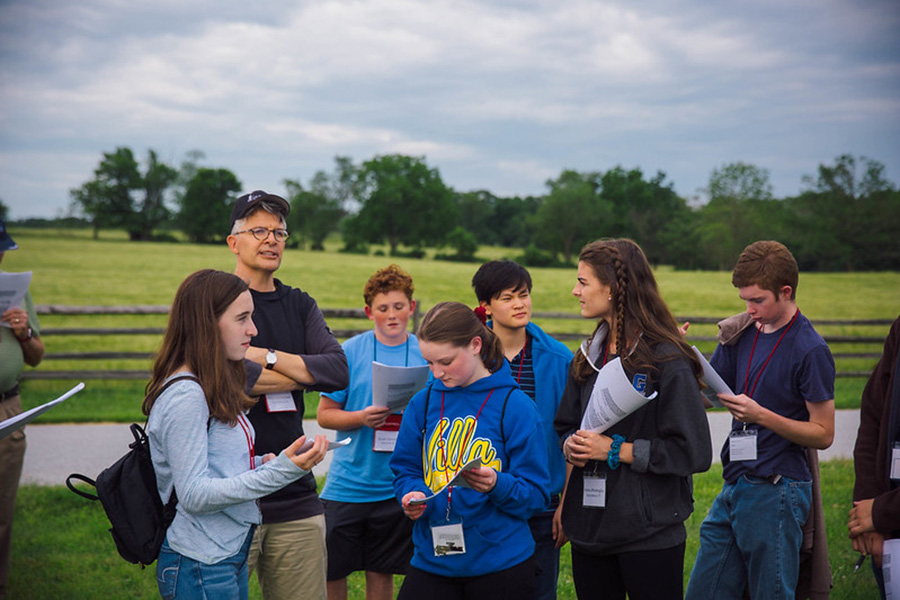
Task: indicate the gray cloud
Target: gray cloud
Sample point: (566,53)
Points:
(497,95)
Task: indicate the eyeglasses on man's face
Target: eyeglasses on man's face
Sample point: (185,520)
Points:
(262,233)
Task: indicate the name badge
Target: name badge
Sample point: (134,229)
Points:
(280,402)
(742,445)
(594,491)
(386,436)
(448,539)
(895,461)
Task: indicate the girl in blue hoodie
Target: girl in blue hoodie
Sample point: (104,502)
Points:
(472,539)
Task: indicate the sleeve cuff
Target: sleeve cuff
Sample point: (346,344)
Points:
(640,451)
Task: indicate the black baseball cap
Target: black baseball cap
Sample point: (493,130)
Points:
(249,202)
(6,242)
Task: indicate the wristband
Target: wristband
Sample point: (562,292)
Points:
(612,458)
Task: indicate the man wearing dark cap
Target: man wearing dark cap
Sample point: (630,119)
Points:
(297,352)
(20,344)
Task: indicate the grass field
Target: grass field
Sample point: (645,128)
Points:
(61,548)
(73,269)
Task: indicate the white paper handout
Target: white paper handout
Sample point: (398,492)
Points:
(714,383)
(12,289)
(331,445)
(457,481)
(393,387)
(612,399)
(10,425)
(890,568)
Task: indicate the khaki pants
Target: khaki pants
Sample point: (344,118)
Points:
(290,559)
(12,455)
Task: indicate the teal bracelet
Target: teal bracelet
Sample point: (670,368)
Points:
(612,458)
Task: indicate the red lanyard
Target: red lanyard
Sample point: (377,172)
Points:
(765,364)
(245,425)
(462,448)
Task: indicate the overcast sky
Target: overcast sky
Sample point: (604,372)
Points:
(496,94)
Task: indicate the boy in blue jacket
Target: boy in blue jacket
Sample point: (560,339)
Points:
(539,364)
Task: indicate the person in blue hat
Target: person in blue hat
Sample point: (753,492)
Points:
(20,345)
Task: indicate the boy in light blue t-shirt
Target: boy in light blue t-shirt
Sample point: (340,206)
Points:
(365,526)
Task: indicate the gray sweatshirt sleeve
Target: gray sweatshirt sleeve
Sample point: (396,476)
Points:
(210,468)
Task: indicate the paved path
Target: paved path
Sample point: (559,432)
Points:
(54,451)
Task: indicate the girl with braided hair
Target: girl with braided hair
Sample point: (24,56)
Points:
(629,488)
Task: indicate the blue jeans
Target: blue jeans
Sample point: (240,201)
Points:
(751,537)
(178,576)
(546,554)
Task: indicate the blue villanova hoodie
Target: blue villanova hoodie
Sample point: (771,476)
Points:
(495,524)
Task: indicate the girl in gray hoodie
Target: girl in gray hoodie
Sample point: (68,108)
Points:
(201,442)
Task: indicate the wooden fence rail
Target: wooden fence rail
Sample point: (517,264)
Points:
(874,342)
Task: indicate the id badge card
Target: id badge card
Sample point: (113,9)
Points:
(742,445)
(386,436)
(594,491)
(448,539)
(895,462)
(277,402)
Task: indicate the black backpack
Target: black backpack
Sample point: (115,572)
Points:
(129,495)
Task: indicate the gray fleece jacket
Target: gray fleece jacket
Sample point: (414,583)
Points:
(210,469)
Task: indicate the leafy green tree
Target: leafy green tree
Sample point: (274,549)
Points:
(846,219)
(643,209)
(513,220)
(465,243)
(572,214)
(741,210)
(316,212)
(109,199)
(476,215)
(206,204)
(403,201)
(741,182)
(158,179)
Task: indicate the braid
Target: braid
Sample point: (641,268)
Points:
(621,291)
(623,266)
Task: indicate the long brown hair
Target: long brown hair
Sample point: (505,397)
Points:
(456,324)
(193,339)
(642,321)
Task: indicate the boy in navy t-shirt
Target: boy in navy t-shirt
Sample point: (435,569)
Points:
(783,374)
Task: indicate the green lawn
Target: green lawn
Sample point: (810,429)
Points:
(70,268)
(60,544)
(61,548)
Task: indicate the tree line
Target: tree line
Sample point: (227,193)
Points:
(846,217)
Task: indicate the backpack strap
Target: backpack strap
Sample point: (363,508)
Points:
(87,480)
(503,414)
(169,383)
(425,416)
